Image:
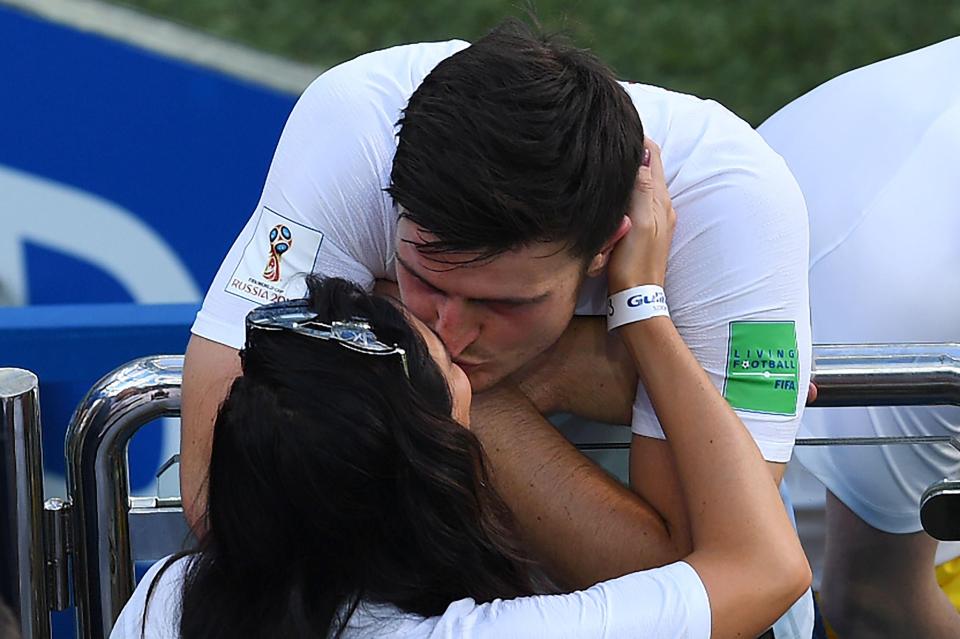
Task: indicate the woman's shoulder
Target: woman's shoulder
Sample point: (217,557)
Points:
(159,594)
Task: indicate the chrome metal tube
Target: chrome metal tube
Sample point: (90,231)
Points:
(58,551)
(22,516)
(887,374)
(874,375)
(97,481)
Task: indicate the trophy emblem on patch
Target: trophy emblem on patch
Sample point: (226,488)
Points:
(280,242)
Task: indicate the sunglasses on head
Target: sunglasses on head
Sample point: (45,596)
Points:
(354,334)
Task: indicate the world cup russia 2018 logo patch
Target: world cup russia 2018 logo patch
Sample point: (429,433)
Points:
(271,264)
(281,240)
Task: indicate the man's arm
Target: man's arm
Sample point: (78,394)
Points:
(209,369)
(654,477)
(588,372)
(580,521)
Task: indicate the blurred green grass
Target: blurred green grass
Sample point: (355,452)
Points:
(754,56)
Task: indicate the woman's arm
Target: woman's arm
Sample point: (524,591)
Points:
(744,547)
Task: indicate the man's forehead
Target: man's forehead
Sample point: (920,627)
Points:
(418,238)
(487,282)
(507,278)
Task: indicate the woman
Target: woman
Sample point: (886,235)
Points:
(347,496)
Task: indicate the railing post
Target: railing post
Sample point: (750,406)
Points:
(21,502)
(97,482)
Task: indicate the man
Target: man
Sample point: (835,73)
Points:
(875,153)
(495,212)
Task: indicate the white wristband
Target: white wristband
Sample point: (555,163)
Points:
(636,304)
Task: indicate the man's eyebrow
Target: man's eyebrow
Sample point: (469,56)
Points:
(410,270)
(483,300)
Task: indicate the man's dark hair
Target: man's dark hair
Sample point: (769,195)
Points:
(519,138)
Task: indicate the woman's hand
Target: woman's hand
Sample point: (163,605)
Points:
(640,257)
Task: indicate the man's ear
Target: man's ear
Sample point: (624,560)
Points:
(599,261)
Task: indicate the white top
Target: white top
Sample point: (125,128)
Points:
(736,280)
(876,153)
(663,602)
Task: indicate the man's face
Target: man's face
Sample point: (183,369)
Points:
(494,315)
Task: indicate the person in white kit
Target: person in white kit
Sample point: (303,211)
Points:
(875,152)
(347,496)
(494,205)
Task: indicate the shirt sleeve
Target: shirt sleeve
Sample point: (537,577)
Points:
(323,208)
(164,605)
(736,286)
(664,602)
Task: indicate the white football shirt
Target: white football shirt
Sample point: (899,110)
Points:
(736,282)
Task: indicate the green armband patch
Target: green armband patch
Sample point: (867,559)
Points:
(763,367)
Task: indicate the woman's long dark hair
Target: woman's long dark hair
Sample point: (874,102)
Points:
(335,479)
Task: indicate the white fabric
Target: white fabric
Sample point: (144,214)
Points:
(798,621)
(739,252)
(738,248)
(664,602)
(328,173)
(876,154)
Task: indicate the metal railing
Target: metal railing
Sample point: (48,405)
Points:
(97,482)
(106,524)
(21,511)
(876,375)
(887,374)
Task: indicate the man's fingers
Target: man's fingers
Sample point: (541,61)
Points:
(656,162)
(643,186)
(811,393)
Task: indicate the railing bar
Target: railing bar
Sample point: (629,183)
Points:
(21,465)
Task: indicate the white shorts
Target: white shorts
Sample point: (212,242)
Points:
(881,484)
(894,277)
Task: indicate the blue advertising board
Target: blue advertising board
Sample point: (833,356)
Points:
(124,177)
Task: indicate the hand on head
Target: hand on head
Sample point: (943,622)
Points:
(640,256)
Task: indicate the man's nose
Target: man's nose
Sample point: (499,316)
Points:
(457,325)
